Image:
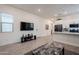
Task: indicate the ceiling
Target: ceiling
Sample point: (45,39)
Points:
(48,10)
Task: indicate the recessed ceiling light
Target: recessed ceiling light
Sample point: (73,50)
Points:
(56,15)
(65,12)
(39,10)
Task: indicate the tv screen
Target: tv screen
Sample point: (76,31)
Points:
(58,28)
(74,25)
(26,26)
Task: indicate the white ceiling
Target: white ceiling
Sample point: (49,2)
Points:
(49,10)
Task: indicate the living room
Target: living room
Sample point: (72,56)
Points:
(12,40)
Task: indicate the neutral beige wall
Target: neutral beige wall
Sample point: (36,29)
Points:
(19,15)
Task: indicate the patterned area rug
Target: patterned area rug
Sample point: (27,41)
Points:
(43,50)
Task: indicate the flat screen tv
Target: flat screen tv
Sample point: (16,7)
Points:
(73,25)
(58,28)
(25,26)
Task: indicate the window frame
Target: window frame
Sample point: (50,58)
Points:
(1,23)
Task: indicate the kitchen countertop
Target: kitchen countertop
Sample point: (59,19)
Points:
(68,33)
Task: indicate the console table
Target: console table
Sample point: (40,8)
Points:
(28,38)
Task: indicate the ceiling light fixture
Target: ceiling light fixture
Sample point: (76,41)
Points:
(39,10)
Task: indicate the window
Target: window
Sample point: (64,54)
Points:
(6,22)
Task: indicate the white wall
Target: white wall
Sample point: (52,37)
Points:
(19,15)
(68,38)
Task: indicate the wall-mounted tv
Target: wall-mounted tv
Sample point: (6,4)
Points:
(58,28)
(74,28)
(74,25)
(26,26)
